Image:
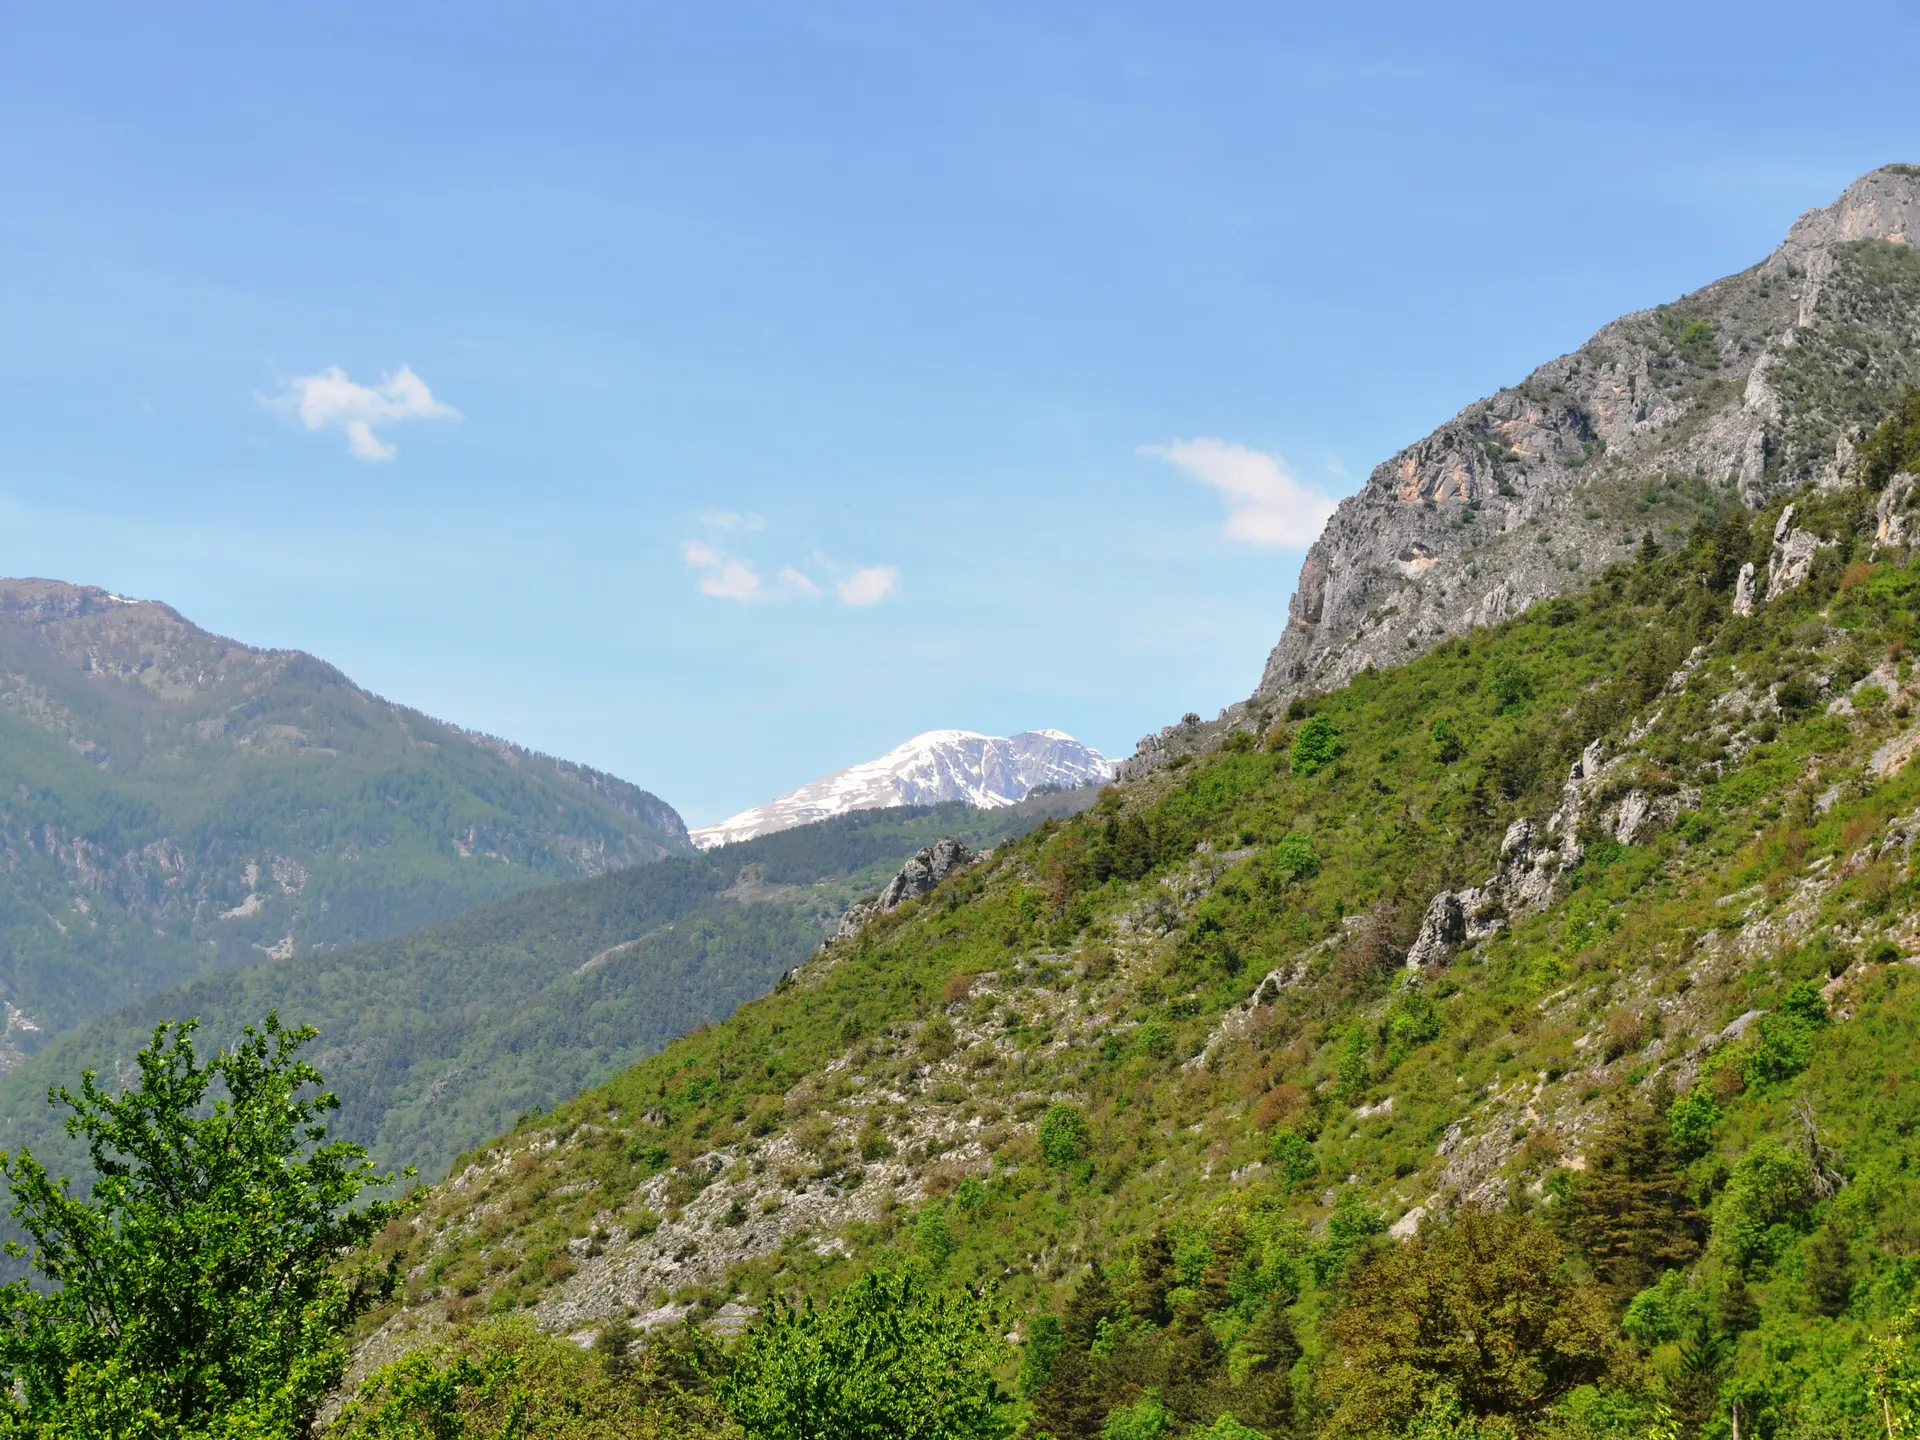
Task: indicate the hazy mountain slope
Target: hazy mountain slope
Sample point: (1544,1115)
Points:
(1743,389)
(930,769)
(173,803)
(438,1039)
(1392,957)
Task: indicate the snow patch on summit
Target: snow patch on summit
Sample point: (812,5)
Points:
(986,771)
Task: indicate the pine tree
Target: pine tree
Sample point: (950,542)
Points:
(1736,1309)
(1147,1296)
(1072,1405)
(1829,1273)
(1264,1397)
(1196,1368)
(1629,1210)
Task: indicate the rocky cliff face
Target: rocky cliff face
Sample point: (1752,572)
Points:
(1758,383)
(1536,488)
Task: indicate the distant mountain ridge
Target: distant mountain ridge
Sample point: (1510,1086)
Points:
(933,768)
(174,803)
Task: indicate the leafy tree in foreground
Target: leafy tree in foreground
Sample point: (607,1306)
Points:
(200,1287)
(887,1358)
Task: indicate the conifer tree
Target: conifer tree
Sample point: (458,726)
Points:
(1629,1211)
(1072,1405)
(1147,1296)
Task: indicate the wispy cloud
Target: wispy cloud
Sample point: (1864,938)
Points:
(726,575)
(868,586)
(1266,506)
(330,400)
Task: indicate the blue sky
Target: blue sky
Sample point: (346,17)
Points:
(721,393)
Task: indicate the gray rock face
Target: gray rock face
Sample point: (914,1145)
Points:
(1792,557)
(1894,511)
(924,870)
(1743,590)
(1755,384)
(1508,503)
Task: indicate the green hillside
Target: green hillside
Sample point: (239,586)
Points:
(438,1039)
(1522,1040)
(173,803)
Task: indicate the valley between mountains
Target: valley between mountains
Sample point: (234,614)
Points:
(1505,1023)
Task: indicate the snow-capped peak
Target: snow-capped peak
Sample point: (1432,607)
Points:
(987,771)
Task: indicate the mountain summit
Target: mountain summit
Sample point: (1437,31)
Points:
(987,771)
(1741,391)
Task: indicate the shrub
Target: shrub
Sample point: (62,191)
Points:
(1063,1136)
(1766,1195)
(1316,745)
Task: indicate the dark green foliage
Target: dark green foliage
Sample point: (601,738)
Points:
(199,1280)
(1894,445)
(888,1358)
(1629,1211)
(1448,747)
(1829,1273)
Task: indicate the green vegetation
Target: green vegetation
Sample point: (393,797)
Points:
(1159,1072)
(439,1039)
(199,1289)
(173,804)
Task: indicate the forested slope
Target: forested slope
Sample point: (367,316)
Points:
(1523,1038)
(437,1039)
(174,803)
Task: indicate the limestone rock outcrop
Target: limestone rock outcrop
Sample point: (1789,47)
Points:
(1521,495)
(924,870)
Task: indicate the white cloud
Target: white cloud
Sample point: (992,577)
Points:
(868,586)
(799,584)
(727,577)
(330,400)
(730,520)
(1265,505)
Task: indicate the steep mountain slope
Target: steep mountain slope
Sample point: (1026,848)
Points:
(1754,385)
(1437,940)
(438,1039)
(173,803)
(931,769)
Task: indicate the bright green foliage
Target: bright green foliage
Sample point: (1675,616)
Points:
(1147,1419)
(1893,1374)
(1036,1359)
(1443,1418)
(1512,685)
(932,1236)
(1227,1428)
(1063,1136)
(1293,858)
(888,1358)
(1692,1120)
(1786,1038)
(1315,746)
(1663,1312)
(1764,1205)
(198,1282)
